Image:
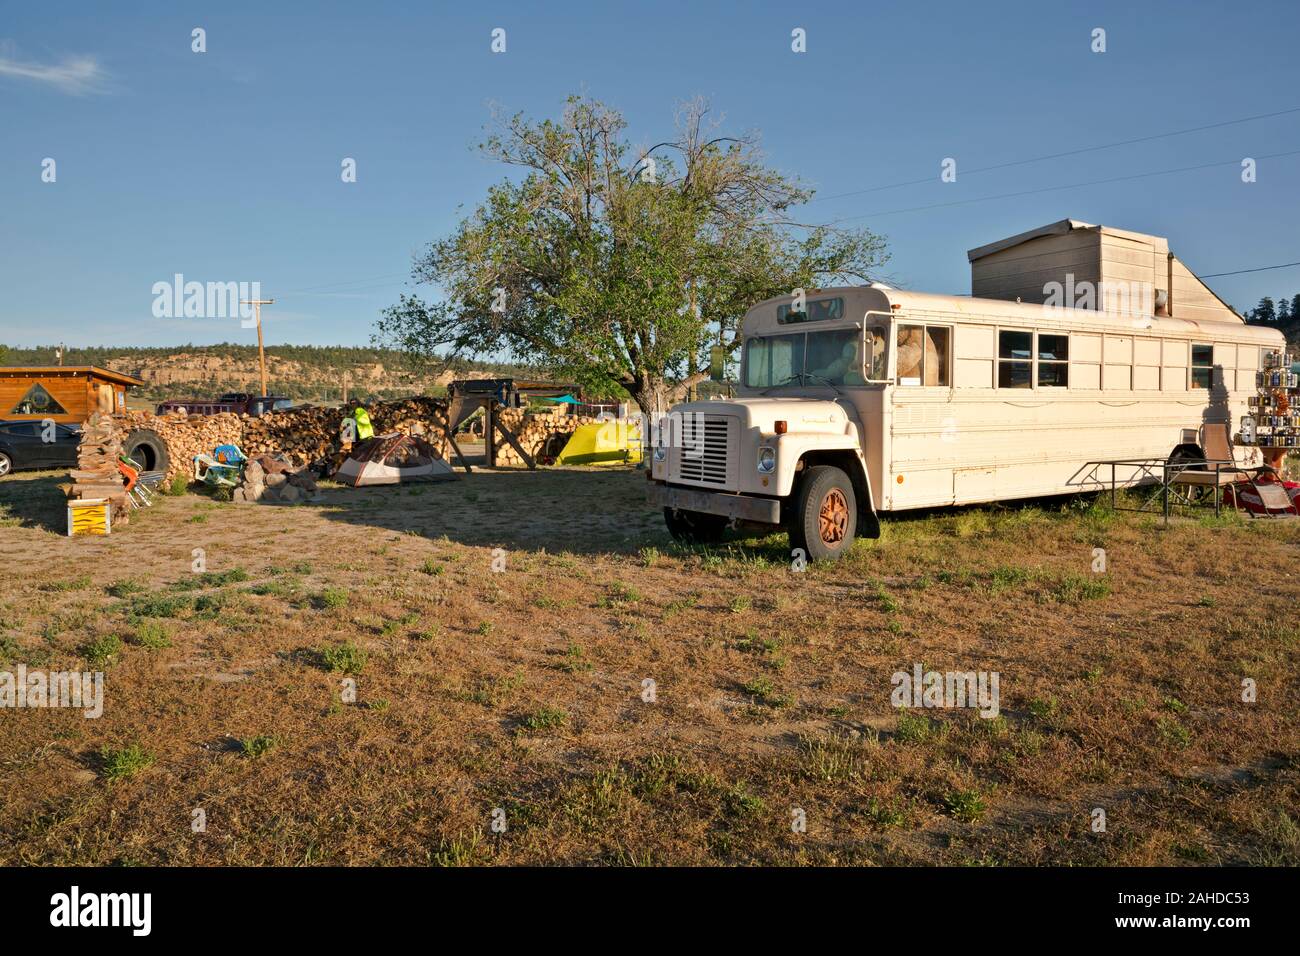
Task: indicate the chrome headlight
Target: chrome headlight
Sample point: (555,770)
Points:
(661,451)
(766,460)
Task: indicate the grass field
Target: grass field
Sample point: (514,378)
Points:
(518,696)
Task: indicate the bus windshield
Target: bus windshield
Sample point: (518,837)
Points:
(805,358)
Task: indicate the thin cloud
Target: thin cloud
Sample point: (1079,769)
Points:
(74,75)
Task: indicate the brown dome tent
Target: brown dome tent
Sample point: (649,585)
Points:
(393,460)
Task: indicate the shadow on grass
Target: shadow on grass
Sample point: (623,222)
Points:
(34,500)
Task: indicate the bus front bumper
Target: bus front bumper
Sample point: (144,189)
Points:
(742,507)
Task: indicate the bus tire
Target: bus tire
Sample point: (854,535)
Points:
(694,527)
(825,518)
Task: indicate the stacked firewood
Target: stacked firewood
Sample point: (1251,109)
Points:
(186,435)
(535,432)
(97,474)
(309,434)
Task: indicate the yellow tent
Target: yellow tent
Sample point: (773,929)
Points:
(604,443)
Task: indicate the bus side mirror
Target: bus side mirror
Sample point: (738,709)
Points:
(717,363)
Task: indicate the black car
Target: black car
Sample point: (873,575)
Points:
(24,445)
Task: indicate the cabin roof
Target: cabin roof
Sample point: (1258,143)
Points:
(1060,228)
(68,371)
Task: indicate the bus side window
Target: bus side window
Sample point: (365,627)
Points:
(1202,365)
(879,355)
(911,354)
(1015,359)
(923,355)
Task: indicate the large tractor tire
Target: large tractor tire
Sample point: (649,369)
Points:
(825,518)
(694,527)
(146,447)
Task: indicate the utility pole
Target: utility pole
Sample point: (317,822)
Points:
(62,348)
(347,380)
(261,353)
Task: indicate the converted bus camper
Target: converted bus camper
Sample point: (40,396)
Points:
(862,400)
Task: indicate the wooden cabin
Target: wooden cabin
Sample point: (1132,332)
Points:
(65,393)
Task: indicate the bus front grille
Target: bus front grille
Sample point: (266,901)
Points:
(706,440)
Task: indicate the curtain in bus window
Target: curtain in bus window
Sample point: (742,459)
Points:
(936,356)
(773,360)
(879,354)
(1015,359)
(911,354)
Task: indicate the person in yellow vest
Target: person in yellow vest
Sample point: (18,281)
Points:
(364,428)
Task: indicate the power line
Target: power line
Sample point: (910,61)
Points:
(1072,152)
(1048,189)
(1215,275)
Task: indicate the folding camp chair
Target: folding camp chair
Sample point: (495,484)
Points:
(215,473)
(1220,472)
(140,485)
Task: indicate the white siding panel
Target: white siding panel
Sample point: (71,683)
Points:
(974,373)
(1085,376)
(1085,347)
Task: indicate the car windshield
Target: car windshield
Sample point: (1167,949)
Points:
(805,358)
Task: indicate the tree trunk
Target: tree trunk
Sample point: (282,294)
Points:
(656,396)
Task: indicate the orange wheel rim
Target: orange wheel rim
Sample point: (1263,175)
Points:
(833,518)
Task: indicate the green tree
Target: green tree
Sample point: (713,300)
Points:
(1264,312)
(619,267)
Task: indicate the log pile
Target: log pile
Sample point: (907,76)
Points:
(309,434)
(535,432)
(96,474)
(186,435)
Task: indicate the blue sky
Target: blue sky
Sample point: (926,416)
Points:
(225,166)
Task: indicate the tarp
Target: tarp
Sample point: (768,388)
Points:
(564,399)
(392,460)
(603,443)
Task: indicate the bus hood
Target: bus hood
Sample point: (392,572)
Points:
(801,415)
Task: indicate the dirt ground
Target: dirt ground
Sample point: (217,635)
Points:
(507,716)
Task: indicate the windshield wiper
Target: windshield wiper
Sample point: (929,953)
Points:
(802,378)
(824,381)
(796,377)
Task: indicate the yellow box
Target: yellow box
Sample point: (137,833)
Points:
(90,516)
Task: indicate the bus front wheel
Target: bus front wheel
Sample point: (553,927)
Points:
(825,518)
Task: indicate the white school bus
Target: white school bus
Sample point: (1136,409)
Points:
(870,400)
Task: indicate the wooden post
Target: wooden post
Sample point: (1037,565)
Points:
(489,432)
(514,443)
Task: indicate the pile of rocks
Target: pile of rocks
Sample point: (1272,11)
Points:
(274,481)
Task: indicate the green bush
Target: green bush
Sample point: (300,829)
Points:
(344,658)
(118,763)
(151,634)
